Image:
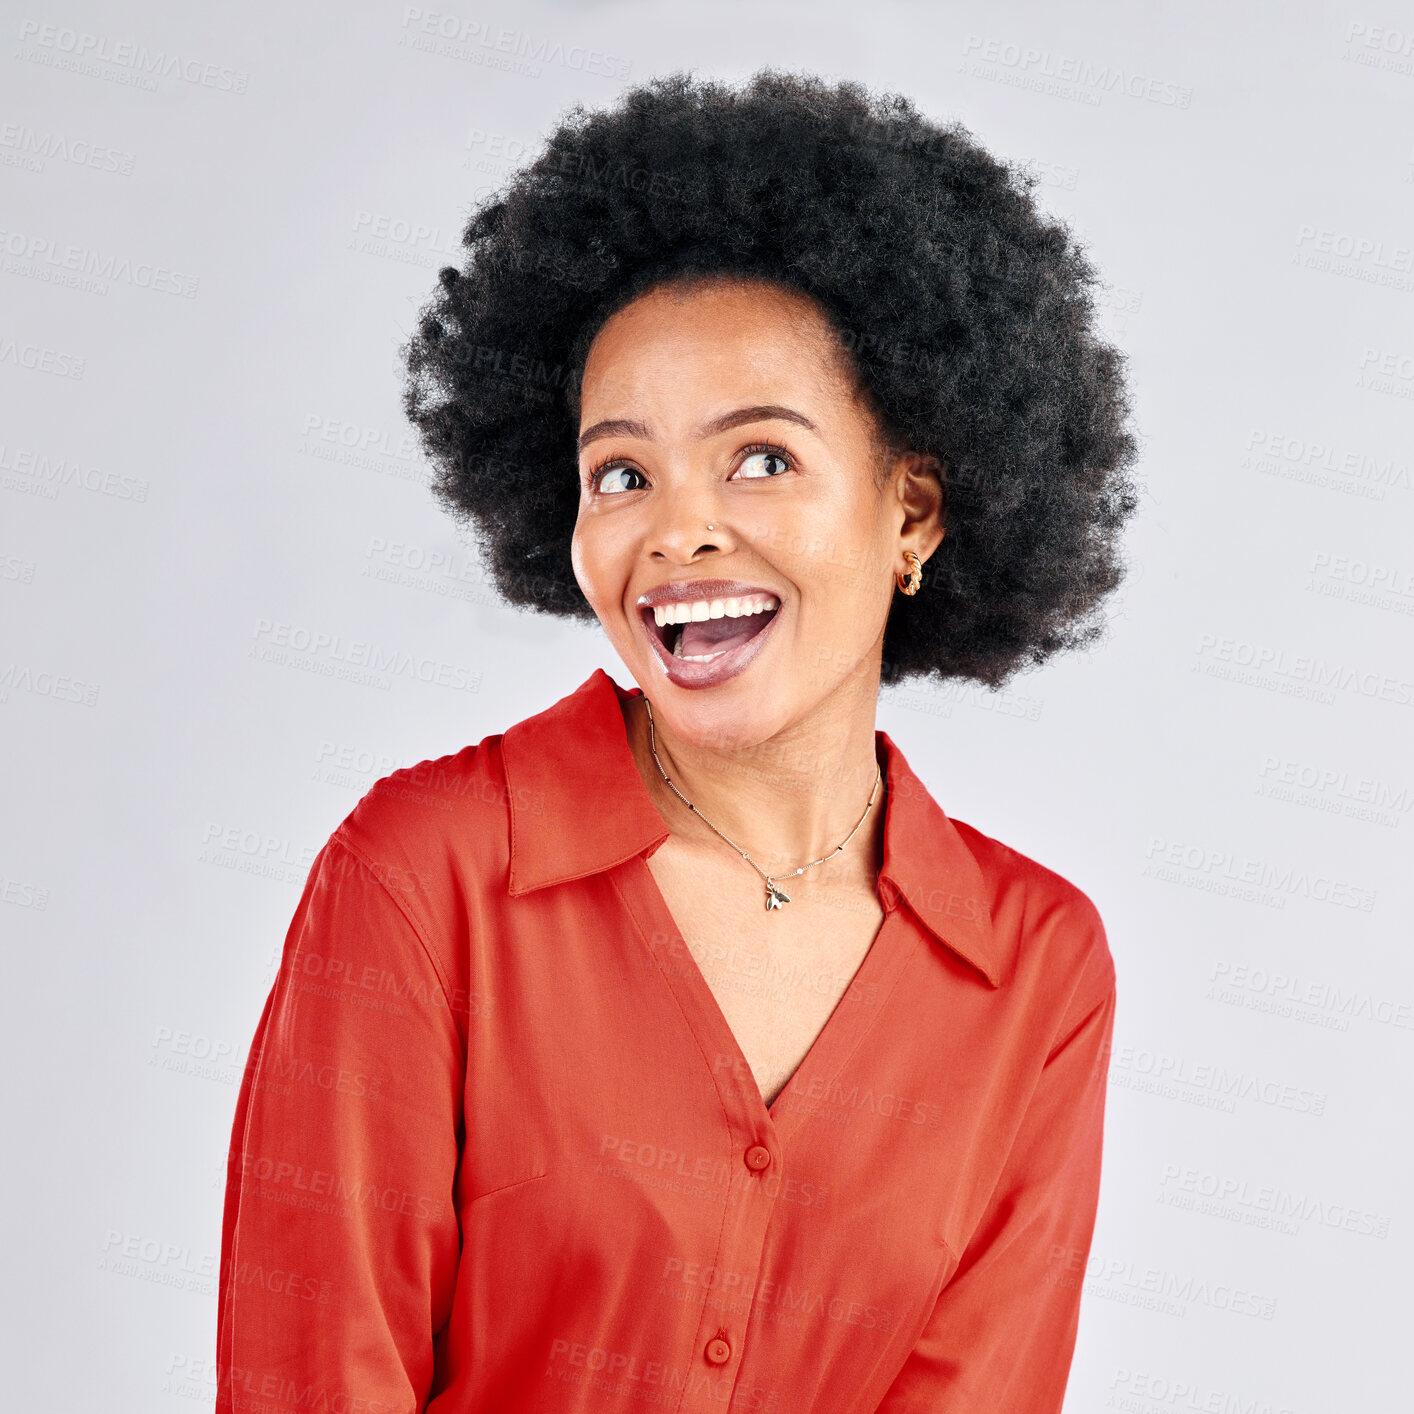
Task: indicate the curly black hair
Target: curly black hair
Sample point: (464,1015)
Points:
(965,313)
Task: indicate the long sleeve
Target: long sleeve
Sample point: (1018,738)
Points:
(1002,1333)
(340,1240)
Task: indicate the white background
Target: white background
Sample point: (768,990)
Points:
(199,461)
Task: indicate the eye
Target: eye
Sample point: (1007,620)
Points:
(759,461)
(604,477)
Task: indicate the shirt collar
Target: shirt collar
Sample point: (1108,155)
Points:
(579,806)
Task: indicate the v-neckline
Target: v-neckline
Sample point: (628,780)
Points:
(836,1041)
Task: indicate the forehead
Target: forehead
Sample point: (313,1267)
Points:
(675,343)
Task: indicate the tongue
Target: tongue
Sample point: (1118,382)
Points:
(715,635)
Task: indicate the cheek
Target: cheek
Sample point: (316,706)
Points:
(842,573)
(833,532)
(578,565)
(587,556)
(595,559)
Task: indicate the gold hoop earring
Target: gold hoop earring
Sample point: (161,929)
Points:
(909,583)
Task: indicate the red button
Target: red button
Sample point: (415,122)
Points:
(758,1157)
(718,1351)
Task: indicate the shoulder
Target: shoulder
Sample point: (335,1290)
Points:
(1049,926)
(424,828)
(444,825)
(419,804)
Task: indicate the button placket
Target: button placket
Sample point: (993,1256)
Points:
(742,1252)
(741,1255)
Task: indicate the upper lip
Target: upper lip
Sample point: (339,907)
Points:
(691,590)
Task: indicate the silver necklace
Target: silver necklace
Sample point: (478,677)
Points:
(774,897)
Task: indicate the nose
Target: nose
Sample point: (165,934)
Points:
(687,522)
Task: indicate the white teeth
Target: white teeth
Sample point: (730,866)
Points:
(695,611)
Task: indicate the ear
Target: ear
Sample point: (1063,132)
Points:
(921,485)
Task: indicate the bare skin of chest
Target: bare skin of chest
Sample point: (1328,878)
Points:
(777,976)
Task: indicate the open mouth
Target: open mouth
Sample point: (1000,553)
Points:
(700,632)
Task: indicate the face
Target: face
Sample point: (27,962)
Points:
(728,405)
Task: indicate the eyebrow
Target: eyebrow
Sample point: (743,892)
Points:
(627,427)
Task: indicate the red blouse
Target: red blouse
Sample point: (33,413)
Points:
(497,1150)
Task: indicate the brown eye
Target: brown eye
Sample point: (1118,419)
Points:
(606,478)
(764,462)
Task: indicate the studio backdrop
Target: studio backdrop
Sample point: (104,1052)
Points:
(230,605)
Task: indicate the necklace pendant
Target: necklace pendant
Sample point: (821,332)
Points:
(774,897)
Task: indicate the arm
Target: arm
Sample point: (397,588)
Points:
(340,1241)
(1001,1336)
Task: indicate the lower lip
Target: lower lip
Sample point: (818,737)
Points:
(724,666)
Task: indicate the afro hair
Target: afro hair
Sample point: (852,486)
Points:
(967,316)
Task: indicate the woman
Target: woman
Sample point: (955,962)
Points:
(674,1046)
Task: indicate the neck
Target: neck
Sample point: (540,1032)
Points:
(787,801)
